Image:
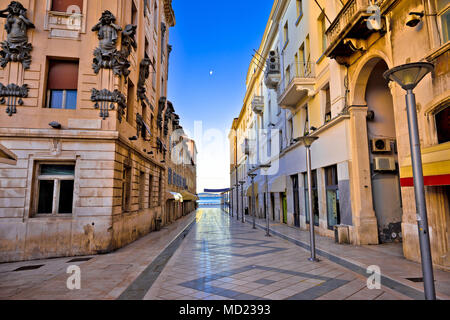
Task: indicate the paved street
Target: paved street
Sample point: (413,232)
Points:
(216,258)
(225,259)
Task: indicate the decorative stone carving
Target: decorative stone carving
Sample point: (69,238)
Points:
(16,47)
(106,100)
(12,95)
(107,56)
(144,73)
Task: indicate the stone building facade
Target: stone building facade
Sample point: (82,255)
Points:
(362,175)
(84,85)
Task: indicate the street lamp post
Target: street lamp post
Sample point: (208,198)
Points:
(242,199)
(307,142)
(231,202)
(252,176)
(237,201)
(267,166)
(408,77)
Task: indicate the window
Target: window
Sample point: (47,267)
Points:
(290,130)
(307,56)
(302,59)
(150,191)
(322,30)
(142,190)
(443,125)
(443,8)
(55,188)
(306,129)
(126,188)
(315,196)
(286,34)
(333,212)
(134,14)
(130,102)
(327,103)
(62,84)
(288,75)
(160,184)
(299,9)
(154,74)
(155,16)
(66,5)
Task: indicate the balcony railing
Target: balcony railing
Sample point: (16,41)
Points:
(297,82)
(352,22)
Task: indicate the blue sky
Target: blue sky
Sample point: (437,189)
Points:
(217,36)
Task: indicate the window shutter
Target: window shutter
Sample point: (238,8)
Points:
(63,5)
(62,75)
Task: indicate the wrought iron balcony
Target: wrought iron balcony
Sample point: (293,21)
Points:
(357,20)
(296,84)
(258,104)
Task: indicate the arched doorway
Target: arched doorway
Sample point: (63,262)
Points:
(383,153)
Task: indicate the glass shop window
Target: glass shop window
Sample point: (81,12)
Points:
(62,84)
(443,125)
(67,6)
(333,212)
(55,187)
(315,197)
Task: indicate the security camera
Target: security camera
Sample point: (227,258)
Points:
(414,19)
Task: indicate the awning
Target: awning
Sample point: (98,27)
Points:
(6,156)
(279,184)
(250,190)
(174,196)
(187,196)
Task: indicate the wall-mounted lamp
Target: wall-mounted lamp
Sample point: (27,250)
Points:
(414,18)
(134,138)
(55,125)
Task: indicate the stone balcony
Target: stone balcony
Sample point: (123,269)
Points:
(357,20)
(296,85)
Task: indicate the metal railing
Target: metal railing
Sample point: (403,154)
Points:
(295,71)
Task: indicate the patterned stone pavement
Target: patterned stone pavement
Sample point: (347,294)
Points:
(223,259)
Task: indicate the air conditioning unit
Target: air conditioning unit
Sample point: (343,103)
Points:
(384,164)
(381,145)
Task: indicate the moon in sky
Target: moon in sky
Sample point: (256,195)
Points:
(211,73)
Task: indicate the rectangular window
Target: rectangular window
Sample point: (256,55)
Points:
(67,5)
(443,125)
(62,84)
(160,184)
(327,103)
(142,190)
(150,191)
(333,211)
(286,34)
(155,16)
(443,8)
(290,130)
(55,188)
(306,129)
(299,8)
(322,29)
(130,102)
(126,188)
(315,197)
(302,60)
(288,75)
(134,14)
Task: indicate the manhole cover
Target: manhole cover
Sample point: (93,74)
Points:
(27,268)
(79,260)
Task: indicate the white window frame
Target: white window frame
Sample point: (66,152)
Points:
(56,189)
(440,13)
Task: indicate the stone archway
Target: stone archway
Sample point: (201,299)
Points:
(371,90)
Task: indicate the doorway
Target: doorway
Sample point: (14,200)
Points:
(284,205)
(381,131)
(295,189)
